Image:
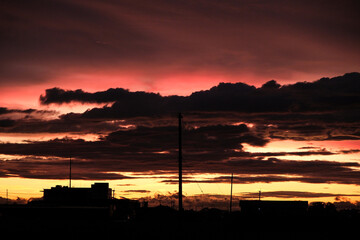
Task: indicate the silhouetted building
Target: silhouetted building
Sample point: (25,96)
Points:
(273,208)
(96,200)
(72,204)
(98,193)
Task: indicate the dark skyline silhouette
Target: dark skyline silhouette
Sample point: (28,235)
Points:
(94,212)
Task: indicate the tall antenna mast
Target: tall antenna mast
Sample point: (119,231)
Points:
(70,173)
(259,195)
(232,177)
(180,164)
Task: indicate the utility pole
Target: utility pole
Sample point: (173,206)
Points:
(180,164)
(259,195)
(70,173)
(180,217)
(7,196)
(232,177)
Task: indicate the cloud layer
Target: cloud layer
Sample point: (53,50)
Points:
(137,132)
(326,109)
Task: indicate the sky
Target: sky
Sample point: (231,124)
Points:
(269,91)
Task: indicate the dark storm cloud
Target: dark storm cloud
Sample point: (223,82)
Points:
(213,149)
(327,109)
(6,123)
(326,94)
(153,150)
(47,39)
(57,95)
(49,121)
(254,170)
(42,168)
(4,110)
(143,143)
(61,125)
(24,120)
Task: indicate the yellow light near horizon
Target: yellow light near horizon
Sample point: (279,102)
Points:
(32,188)
(152,182)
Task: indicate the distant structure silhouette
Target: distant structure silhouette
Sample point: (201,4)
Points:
(273,208)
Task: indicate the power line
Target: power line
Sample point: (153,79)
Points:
(199,187)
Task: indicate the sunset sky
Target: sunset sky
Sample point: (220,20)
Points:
(269,91)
